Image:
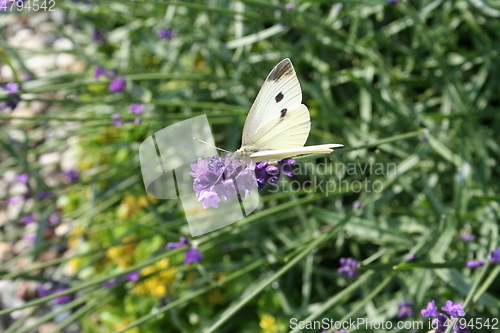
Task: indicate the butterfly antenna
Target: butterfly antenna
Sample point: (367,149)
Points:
(208,144)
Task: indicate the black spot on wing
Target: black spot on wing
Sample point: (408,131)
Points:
(279,97)
(283,68)
(283,113)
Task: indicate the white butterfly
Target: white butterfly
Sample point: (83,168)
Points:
(278,124)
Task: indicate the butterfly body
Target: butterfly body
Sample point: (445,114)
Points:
(278,124)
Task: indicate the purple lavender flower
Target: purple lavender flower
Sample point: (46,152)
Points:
(54,218)
(132,276)
(136,108)
(116,120)
(192,255)
(167,34)
(117,85)
(405,309)
(286,166)
(410,257)
(11,87)
(214,179)
(98,72)
(454,309)
(466,236)
(62,299)
(475,263)
(349,267)
(98,35)
(109,283)
(27,219)
(22,178)
(182,242)
(210,199)
(72,175)
(441,321)
(356,205)
(30,238)
(289,6)
(266,173)
(495,256)
(44,195)
(431,310)
(14,200)
(54,287)
(11,103)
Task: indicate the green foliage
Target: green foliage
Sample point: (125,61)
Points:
(411,90)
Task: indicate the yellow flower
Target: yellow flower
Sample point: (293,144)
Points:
(268,323)
(130,205)
(156,285)
(121,254)
(123,324)
(74,264)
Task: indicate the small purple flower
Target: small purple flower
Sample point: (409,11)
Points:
(475,263)
(14,200)
(116,120)
(266,173)
(410,257)
(54,218)
(466,236)
(11,87)
(98,72)
(167,34)
(98,35)
(349,267)
(30,238)
(495,256)
(214,179)
(109,283)
(210,199)
(356,205)
(392,2)
(431,310)
(11,103)
(132,276)
(439,322)
(405,309)
(136,108)
(192,255)
(289,6)
(27,219)
(72,175)
(286,166)
(118,84)
(54,287)
(137,120)
(454,309)
(182,242)
(22,178)
(44,195)
(62,299)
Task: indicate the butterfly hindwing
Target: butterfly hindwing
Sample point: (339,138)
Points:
(279,154)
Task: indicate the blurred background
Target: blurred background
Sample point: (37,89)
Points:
(411,88)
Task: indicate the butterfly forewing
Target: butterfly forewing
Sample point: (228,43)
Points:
(277,118)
